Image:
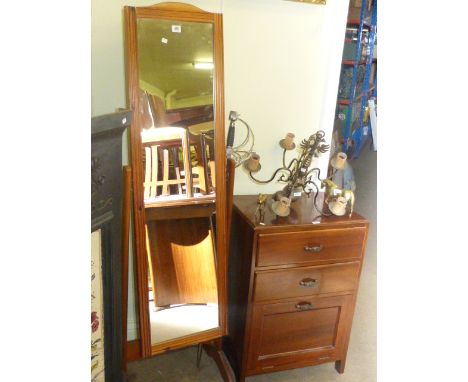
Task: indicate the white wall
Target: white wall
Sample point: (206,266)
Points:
(282,66)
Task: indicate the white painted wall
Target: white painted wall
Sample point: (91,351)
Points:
(282,66)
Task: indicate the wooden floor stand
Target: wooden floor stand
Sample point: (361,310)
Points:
(215,351)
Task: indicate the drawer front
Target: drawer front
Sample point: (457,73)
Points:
(310,247)
(304,281)
(307,330)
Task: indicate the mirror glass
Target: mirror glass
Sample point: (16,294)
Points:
(175,61)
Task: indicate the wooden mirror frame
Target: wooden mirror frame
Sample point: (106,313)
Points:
(181,12)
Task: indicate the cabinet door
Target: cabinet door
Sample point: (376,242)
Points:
(297,333)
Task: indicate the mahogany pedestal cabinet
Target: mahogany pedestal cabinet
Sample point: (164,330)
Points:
(292,286)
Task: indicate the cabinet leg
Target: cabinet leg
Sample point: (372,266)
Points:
(340,365)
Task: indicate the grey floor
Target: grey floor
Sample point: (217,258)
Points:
(180,366)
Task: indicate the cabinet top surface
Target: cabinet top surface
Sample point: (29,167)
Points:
(302,213)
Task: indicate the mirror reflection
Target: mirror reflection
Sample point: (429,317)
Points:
(176,102)
(176,113)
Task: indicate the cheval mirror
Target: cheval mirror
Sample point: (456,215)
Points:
(174,57)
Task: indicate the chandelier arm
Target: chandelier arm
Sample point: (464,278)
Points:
(272,177)
(284,159)
(284,179)
(308,182)
(241,153)
(291,163)
(246,137)
(251,134)
(318,174)
(309,172)
(315,198)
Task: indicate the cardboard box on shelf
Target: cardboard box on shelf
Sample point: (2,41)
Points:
(358,4)
(372,74)
(355,7)
(354,13)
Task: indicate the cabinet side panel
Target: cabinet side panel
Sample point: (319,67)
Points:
(240,258)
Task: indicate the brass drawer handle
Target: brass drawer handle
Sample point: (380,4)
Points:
(314,249)
(304,306)
(308,282)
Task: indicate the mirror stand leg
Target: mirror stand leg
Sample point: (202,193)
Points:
(199,354)
(215,351)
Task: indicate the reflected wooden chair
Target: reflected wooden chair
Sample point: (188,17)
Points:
(202,139)
(165,181)
(180,249)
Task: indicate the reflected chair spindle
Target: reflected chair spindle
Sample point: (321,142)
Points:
(158,142)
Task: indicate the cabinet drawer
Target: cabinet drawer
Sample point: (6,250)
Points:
(304,281)
(312,246)
(310,329)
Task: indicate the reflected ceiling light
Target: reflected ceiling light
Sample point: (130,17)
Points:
(203,65)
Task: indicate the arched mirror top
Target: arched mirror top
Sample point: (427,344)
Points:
(173,10)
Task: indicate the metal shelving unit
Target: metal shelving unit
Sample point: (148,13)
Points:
(352,120)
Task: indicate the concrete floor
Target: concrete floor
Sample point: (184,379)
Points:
(180,366)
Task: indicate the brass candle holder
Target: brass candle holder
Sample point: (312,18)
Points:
(297,175)
(335,195)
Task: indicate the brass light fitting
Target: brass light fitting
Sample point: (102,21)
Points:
(297,175)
